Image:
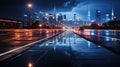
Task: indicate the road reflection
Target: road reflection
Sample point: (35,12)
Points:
(64,50)
(21,37)
(108,38)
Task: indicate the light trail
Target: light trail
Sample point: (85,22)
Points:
(10,51)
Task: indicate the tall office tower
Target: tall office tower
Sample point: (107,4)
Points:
(60,17)
(112,14)
(98,16)
(65,16)
(54,12)
(74,17)
(89,15)
(89,19)
(54,16)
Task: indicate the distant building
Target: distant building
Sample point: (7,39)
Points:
(74,17)
(112,15)
(98,16)
(51,20)
(89,15)
(60,17)
(65,17)
(54,12)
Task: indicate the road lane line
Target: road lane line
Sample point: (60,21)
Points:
(10,51)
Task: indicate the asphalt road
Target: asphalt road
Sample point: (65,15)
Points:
(65,50)
(21,37)
(107,38)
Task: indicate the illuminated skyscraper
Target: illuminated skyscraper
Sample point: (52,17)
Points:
(98,16)
(54,12)
(60,17)
(89,19)
(112,14)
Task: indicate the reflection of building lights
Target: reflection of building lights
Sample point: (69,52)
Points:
(99,46)
(47,35)
(107,32)
(73,30)
(46,44)
(63,28)
(89,44)
(47,31)
(92,32)
(26,33)
(29,33)
(17,34)
(107,39)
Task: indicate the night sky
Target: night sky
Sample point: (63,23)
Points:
(15,9)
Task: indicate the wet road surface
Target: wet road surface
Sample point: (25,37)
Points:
(65,50)
(21,37)
(110,39)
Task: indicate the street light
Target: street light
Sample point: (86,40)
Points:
(29,5)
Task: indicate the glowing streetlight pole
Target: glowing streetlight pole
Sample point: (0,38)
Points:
(29,16)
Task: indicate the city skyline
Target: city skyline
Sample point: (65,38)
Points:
(68,7)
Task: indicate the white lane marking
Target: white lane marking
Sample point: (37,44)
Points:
(10,51)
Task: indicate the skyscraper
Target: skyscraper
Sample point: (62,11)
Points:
(64,16)
(112,14)
(54,12)
(89,19)
(98,16)
(60,17)
(75,17)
